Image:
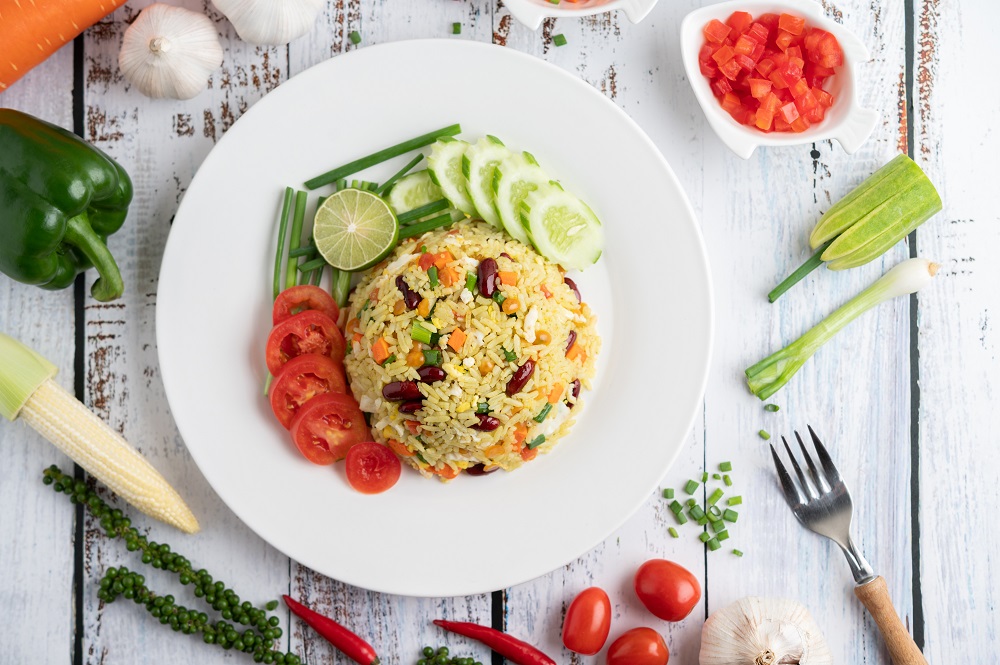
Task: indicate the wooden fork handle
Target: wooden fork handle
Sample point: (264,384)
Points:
(875,597)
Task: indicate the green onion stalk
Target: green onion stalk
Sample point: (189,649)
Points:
(770,374)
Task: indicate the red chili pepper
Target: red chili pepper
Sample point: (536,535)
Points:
(517,651)
(350,644)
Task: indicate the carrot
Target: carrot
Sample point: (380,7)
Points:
(507,277)
(380,350)
(353,326)
(357,337)
(528,454)
(448,276)
(576,351)
(548,294)
(412,425)
(399,448)
(556,393)
(442,259)
(456,339)
(520,433)
(32,31)
(447,472)
(493,451)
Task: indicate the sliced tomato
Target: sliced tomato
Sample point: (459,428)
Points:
(307,332)
(300,380)
(301,298)
(327,426)
(372,468)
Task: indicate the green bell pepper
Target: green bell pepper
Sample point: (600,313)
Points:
(60,199)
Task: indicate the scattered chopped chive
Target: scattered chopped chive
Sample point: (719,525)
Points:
(704,477)
(421,228)
(435,339)
(696,512)
(483,408)
(423,249)
(676,507)
(734,500)
(286,206)
(388,361)
(726,466)
(713,544)
(509,355)
(387,185)
(668,493)
(727,480)
(432,274)
(421,334)
(702,521)
(715,496)
(559,40)
(691,487)
(419,456)
(722,535)
(716,476)
(382,155)
(714,513)
(764,435)
(470,281)
(539,440)
(499,297)
(730,515)
(433,357)
(271,606)
(718,526)
(311,265)
(364,307)
(456,28)
(355,37)
(543,413)
(673,532)
(411,216)
(680,518)
(771,407)
(691,502)
(738,552)
(704,536)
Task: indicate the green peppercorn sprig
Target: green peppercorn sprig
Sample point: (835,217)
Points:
(258,632)
(442,657)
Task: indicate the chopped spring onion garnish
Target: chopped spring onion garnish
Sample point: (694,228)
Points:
(691,487)
(727,480)
(716,476)
(691,502)
(411,216)
(355,37)
(737,552)
(456,28)
(286,206)
(388,361)
(722,535)
(539,440)
(771,407)
(673,532)
(718,526)
(734,500)
(559,40)
(696,512)
(434,357)
(714,513)
(483,408)
(715,496)
(543,413)
(421,334)
(680,518)
(704,477)
(340,184)
(364,307)
(668,493)
(414,230)
(432,274)
(387,185)
(499,297)
(510,356)
(713,544)
(770,374)
(726,466)
(764,434)
(730,515)
(676,507)
(704,536)
(470,281)
(382,155)
(702,521)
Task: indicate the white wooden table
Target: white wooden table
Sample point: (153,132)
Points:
(904,396)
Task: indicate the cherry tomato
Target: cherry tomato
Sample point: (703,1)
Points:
(306,332)
(588,622)
(372,468)
(327,426)
(300,380)
(667,590)
(301,298)
(639,646)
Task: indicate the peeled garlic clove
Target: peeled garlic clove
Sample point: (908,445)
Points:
(270,22)
(763,631)
(170,52)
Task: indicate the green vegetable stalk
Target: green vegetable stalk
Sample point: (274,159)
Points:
(863,225)
(60,199)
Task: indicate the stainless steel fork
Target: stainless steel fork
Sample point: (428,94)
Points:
(822,503)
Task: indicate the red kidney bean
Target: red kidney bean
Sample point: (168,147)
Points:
(487,277)
(480,470)
(521,376)
(506,256)
(410,407)
(431,374)
(571,284)
(571,340)
(575,391)
(486,423)
(401,391)
(410,297)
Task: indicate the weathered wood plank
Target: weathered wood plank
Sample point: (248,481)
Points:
(37,550)
(959,365)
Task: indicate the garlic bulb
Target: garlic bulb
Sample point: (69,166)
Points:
(170,52)
(763,631)
(270,22)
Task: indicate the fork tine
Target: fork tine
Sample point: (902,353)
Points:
(793,494)
(832,475)
(817,477)
(806,485)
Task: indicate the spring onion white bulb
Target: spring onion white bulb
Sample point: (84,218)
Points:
(270,22)
(763,631)
(770,374)
(170,52)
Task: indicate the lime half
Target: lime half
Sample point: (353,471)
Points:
(355,229)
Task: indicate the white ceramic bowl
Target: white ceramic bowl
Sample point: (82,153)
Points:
(533,12)
(846,121)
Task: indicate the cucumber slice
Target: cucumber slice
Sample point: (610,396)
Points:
(514,178)
(445,165)
(412,191)
(479,164)
(563,228)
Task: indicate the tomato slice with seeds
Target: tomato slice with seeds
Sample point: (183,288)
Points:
(300,380)
(301,298)
(372,468)
(328,426)
(307,332)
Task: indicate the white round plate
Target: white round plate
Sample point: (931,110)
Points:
(650,291)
